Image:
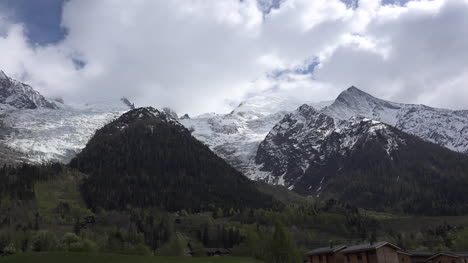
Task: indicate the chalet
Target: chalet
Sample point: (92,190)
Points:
(407,256)
(326,255)
(381,252)
(214,252)
(450,257)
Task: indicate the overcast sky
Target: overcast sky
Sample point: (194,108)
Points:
(199,56)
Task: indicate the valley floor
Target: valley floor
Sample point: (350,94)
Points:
(59,257)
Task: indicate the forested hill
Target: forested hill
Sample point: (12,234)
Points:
(146,158)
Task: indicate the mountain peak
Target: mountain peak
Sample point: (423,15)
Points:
(354,98)
(145,114)
(20,95)
(355,102)
(353,92)
(354,89)
(141,114)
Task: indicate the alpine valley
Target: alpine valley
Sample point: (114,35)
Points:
(357,148)
(272,173)
(234,131)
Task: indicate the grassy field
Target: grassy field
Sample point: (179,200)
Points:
(62,191)
(60,257)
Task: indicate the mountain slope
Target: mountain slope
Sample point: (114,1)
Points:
(236,136)
(307,137)
(36,130)
(444,127)
(146,158)
(364,162)
(9,156)
(20,95)
(287,149)
(45,135)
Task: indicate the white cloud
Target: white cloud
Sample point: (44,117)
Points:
(425,52)
(48,68)
(198,55)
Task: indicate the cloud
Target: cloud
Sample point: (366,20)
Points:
(198,56)
(194,55)
(418,51)
(47,68)
(190,55)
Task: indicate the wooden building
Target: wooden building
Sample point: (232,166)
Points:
(407,256)
(450,257)
(326,255)
(381,252)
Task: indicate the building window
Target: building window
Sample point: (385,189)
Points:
(348,258)
(320,258)
(359,257)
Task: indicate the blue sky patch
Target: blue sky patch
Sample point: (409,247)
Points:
(41,18)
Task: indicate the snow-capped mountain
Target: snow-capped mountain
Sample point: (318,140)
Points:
(363,162)
(287,149)
(307,139)
(236,136)
(34,129)
(55,134)
(448,128)
(307,136)
(21,96)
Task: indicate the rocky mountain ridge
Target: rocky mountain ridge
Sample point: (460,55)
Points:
(448,128)
(364,162)
(21,96)
(307,138)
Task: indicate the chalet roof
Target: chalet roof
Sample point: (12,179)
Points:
(325,250)
(451,254)
(417,253)
(367,247)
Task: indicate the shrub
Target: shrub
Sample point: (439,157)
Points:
(10,250)
(70,238)
(84,245)
(175,247)
(43,241)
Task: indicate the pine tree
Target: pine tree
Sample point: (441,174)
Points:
(283,248)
